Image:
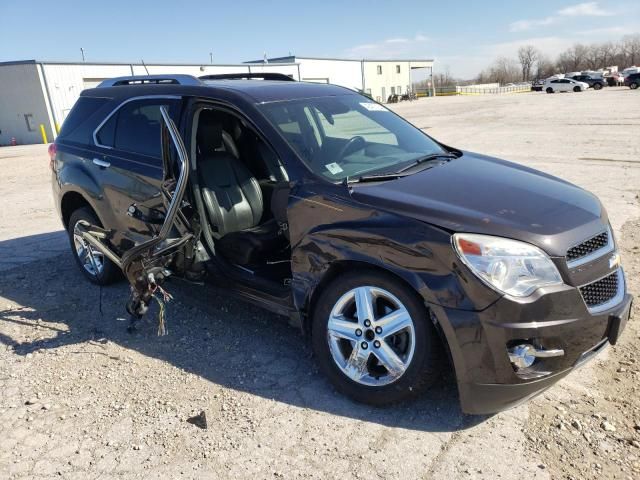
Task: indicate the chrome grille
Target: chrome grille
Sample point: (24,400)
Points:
(588,247)
(601,291)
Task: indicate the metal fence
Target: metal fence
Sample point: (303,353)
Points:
(493,91)
(458,90)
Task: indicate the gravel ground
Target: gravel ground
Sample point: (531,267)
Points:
(594,431)
(81,398)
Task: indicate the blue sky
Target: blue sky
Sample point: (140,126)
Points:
(463,35)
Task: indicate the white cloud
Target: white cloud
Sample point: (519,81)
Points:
(587,9)
(391,47)
(397,40)
(618,31)
(522,25)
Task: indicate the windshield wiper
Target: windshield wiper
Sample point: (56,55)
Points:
(384,176)
(427,158)
(375,177)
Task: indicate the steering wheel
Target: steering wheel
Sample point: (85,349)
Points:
(354,143)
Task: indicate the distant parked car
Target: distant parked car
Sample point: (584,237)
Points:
(632,81)
(537,85)
(553,85)
(614,79)
(594,82)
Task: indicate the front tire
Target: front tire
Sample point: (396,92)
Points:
(577,89)
(597,86)
(549,90)
(94,265)
(373,339)
(633,86)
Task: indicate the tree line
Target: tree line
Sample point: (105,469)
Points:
(532,64)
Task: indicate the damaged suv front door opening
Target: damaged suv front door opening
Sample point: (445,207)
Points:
(145,265)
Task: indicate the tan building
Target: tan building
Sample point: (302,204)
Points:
(378,78)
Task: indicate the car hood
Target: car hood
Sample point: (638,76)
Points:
(480,194)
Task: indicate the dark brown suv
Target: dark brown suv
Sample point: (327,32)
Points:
(394,253)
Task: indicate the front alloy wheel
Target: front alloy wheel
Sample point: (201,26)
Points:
(374,339)
(371,336)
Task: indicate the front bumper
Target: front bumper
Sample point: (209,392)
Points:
(478,342)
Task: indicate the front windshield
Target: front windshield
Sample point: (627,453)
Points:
(349,135)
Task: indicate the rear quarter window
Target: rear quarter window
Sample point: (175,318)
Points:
(135,127)
(83,109)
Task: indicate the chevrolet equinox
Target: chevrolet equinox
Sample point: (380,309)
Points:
(395,254)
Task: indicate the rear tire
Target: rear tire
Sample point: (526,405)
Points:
(410,346)
(597,86)
(549,90)
(633,86)
(101,270)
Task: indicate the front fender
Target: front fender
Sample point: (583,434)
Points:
(419,253)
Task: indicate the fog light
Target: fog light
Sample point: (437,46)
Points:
(522,355)
(525,354)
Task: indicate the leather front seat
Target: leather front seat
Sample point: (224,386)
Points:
(233,200)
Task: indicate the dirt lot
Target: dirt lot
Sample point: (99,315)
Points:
(81,398)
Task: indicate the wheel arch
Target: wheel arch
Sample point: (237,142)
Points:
(72,201)
(413,284)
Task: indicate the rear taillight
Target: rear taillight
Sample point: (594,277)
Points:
(53,149)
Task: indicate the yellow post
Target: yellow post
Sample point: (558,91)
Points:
(44,134)
(57,127)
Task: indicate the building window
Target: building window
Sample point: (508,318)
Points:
(397,68)
(399,89)
(379,69)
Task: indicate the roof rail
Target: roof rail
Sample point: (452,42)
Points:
(151,79)
(248,76)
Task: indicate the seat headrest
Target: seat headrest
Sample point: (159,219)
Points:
(209,135)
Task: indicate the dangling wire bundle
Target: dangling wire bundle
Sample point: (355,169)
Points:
(166,298)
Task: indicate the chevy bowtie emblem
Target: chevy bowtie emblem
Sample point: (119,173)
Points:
(614,261)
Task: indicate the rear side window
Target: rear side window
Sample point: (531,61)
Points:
(135,128)
(84,108)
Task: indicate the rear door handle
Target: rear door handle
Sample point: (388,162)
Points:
(101,163)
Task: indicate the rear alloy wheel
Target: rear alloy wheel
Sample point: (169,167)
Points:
(633,86)
(374,340)
(577,89)
(93,264)
(549,90)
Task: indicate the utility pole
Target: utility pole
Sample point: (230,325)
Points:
(82,52)
(211,57)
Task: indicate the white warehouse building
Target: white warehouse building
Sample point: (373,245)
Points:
(36,97)
(377,78)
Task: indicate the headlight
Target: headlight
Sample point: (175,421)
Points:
(509,266)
